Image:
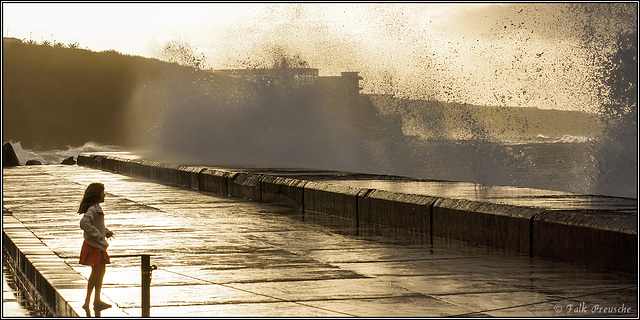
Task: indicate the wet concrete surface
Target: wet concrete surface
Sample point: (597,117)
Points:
(223,256)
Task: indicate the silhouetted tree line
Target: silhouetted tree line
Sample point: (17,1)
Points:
(47,43)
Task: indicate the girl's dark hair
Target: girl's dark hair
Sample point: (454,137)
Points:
(92,195)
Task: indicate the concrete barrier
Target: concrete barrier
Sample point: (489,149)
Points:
(246,186)
(109,163)
(489,224)
(146,168)
(380,210)
(600,239)
(84,159)
(129,167)
(337,201)
(89,160)
(189,177)
(283,191)
(167,173)
(214,180)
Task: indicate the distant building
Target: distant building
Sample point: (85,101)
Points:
(348,83)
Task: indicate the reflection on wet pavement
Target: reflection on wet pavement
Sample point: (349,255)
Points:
(222,256)
(14,303)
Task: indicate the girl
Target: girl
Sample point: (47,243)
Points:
(94,247)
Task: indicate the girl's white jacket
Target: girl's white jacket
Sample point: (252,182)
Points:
(93,225)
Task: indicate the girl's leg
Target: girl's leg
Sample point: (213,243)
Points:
(90,285)
(100,269)
(95,281)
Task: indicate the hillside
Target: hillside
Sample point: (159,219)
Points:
(439,120)
(55,96)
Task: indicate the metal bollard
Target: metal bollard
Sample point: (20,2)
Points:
(147,268)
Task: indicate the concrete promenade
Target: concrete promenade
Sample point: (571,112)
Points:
(225,256)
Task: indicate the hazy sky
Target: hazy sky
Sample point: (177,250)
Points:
(497,54)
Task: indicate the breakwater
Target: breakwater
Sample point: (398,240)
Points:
(590,230)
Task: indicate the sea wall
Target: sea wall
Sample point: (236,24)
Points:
(496,225)
(41,271)
(283,191)
(381,211)
(590,238)
(604,237)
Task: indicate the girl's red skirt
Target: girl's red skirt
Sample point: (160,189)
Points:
(92,256)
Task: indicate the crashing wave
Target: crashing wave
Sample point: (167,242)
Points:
(573,139)
(56,156)
(546,139)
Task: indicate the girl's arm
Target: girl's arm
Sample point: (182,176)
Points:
(87,226)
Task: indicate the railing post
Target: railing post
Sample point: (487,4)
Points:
(146,284)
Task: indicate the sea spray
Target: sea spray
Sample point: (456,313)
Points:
(223,120)
(57,156)
(193,116)
(254,124)
(206,119)
(615,153)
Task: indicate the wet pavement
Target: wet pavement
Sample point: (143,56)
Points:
(223,256)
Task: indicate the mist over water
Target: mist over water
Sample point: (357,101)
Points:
(248,124)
